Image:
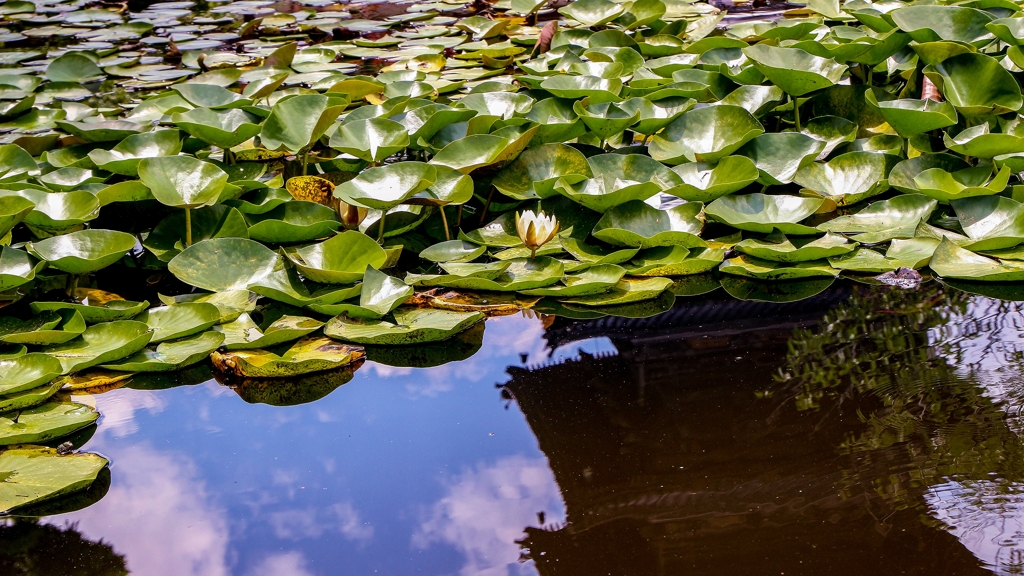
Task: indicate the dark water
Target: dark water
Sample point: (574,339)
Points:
(860,431)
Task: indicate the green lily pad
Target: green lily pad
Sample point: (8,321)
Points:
(84,251)
(758,269)
(170,356)
(591,254)
(297,122)
(102,131)
(460,347)
(17,268)
(880,221)
(705,135)
(991,222)
(848,178)
(952,261)
(45,422)
(180,320)
(489,151)
(619,178)
(978,142)
(598,90)
(638,225)
(794,70)
(224,128)
(627,291)
(245,334)
(379,295)
(95,310)
(73,67)
(763,213)
(13,209)
(58,213)
(101,343)
(910,116)
(704,182)
(209,96)
(976,85)
(675,261)
(503,276)
(304,357)
(453,251)
(224,264)
(410,326)
(295,221)
(35,474)
(45,328)
(385,187)
(832,130)
(125,157)
(656,115)
(902,175)
(182,181)
(594,280)
(969,182)
(593,12)
(27,372)
(340,260)
(230,304)
(778,248)
(29,398)
(167,239)
(952,23)
(778,156)
(533,173)
(372,139)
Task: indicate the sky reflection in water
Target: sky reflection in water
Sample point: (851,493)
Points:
(674,442)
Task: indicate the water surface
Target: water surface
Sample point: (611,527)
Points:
(861,430)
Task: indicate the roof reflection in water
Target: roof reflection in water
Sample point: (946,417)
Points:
(885,430)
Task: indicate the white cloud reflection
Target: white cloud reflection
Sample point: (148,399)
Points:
(159,516)
(286,564)
(485,511)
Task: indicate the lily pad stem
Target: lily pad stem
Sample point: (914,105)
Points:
(458,218)
(533,253)
(188,227)
(796,112)
(305,160)
(72,284)
(483,215)
(380,226)
(444,220)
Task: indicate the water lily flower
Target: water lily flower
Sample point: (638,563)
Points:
(351,216)
(535,230)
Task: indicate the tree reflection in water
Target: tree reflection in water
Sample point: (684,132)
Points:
(31,549)
(887,426)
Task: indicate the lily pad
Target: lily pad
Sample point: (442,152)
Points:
(379,295)
(224,264)
(794,70)
(410,326)
(101,343)
(124,158)
(627,291)
(295,221)
(83,251)
(245,334)
(758,269)
(46,327)
(637,225)
(910,116)
(169,356)
(619,178)
(778,248)
(35,474)
(594,280)
(180,320)
(304,357)
(17,268)
(778,156)
(848,178)
(675,261)
(372,139)
(705,135)
(453,251)
(226,128)
(45,422)
(952,261)
(704,182)
(385,187)
(340,260)
(976,84)
(894,218)
(533,173)
(297,122)
(763,213)
(182,181)
(27,372)
(991,222)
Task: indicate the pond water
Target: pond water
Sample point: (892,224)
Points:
(860,430)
